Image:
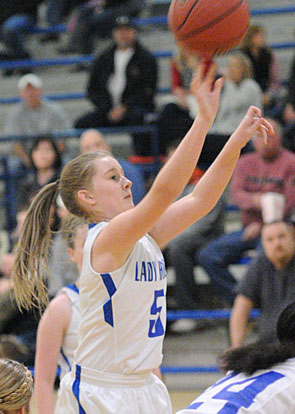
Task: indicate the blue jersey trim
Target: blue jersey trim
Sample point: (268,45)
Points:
(73,287)
(66,359)
(76,388)
(108,306)
(92,225)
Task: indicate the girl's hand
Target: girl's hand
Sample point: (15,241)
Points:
(252,123)
(206,90)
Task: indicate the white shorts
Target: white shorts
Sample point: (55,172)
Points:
(85,391)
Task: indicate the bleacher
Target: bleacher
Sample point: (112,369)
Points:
(69,89)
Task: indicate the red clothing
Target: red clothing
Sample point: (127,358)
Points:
(253,174)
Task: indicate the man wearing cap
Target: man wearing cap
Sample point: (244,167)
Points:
(34,115)
(122,83)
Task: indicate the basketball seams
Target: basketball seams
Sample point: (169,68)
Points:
(212,22)
(188,14)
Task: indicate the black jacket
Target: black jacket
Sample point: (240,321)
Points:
(142,74)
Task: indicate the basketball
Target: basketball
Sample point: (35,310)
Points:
(209,27)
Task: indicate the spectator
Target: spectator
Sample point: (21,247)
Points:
(122,84)
(265,64)
(33,116)
(269,284)
(46,162)
(260,377)
(239,92)
(268,168)
(98,18)
(17,18)
(92,140)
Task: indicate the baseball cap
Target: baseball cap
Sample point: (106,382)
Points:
(124,21)
(29,79)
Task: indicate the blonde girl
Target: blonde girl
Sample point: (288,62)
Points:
(16,387)
(123,278)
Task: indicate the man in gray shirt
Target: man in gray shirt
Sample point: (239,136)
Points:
(269,284)
(33,116)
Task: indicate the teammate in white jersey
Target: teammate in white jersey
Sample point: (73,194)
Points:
(123,279)
(57,336)
(261,377)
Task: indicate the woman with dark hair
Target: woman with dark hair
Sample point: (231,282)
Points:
(46,162)
(260,377)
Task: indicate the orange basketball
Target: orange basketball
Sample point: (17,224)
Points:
(209,27)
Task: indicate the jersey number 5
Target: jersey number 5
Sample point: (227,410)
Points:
(156,327)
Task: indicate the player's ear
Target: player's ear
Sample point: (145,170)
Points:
(86,197)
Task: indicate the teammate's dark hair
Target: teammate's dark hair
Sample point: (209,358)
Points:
(261,355)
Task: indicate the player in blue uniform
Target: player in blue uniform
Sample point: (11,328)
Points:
(123,278)
(261,377)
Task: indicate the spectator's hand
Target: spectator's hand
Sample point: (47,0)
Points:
(251,231)
(207,91)
(117,113)
(256,203)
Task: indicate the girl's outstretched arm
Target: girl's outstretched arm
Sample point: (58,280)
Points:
(189,209)
(131,225)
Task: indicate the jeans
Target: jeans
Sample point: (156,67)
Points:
(217,255)
(12,34)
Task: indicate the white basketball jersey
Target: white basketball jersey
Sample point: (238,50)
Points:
(70,339)
(269,391)
(123,312)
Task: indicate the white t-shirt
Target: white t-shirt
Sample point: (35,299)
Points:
(123,312)
(269,391)
(117,81)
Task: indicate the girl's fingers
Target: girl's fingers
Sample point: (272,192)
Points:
(210,74)
(267,125)
(254,111)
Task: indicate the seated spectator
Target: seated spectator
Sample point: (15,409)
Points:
(259,377)
(33,116)
(17,18)
(269,284)
(46,162)
(98,18)
(16,387)
(122,84)
(268,168)
(92,140)
(265,64)
(239,92)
